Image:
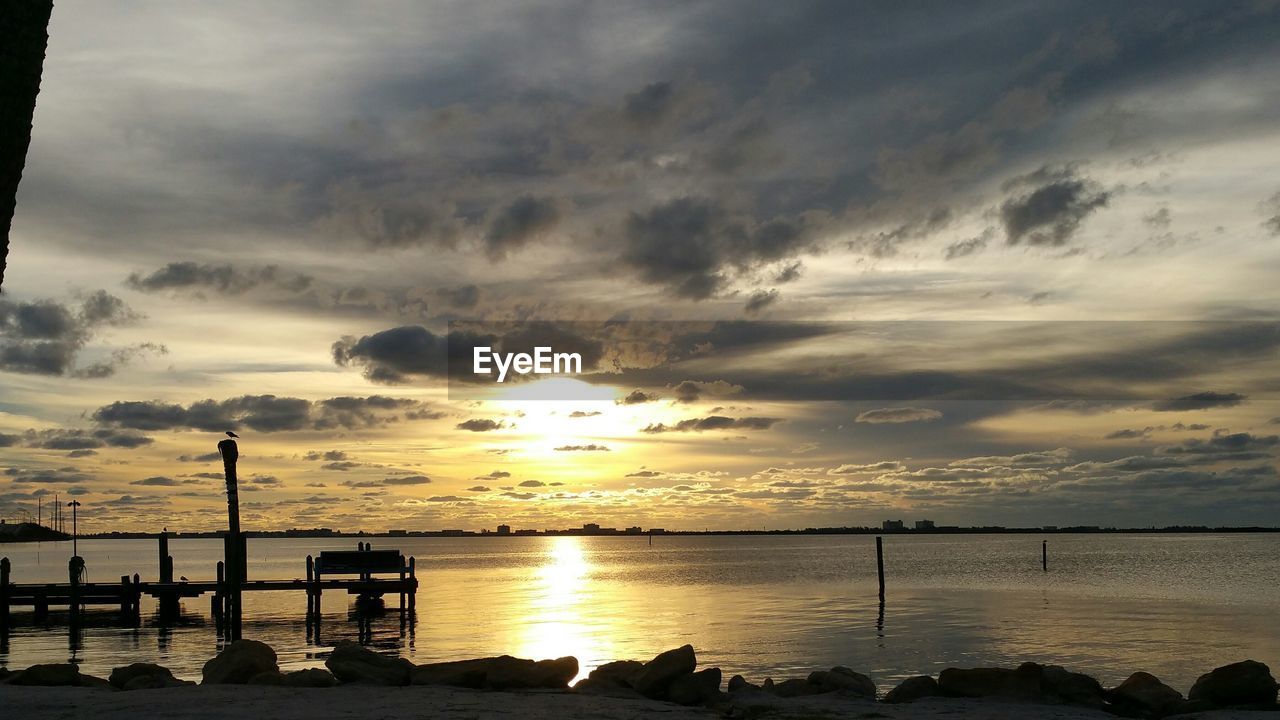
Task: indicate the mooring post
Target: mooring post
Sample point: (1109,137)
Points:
(219,598)
(124,597)
(233,547)
(413,585)
(1044,555)
(137,599)
(75,569)
(4,595)
(880,564)
(166,574)
(311,581)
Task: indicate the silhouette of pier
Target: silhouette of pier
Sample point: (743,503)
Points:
(366,573)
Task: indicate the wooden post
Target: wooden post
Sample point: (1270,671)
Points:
(4,595)
(137,599)
(880,564)
(1044,555)
(166,573)
(403,574)
(124,597)
(75,569)
(413,585)
(232,549)
(311,581)
(220,598)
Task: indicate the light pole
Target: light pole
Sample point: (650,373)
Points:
(75,532)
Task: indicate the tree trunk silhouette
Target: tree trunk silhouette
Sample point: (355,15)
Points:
(24,34)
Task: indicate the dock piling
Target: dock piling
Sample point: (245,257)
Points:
(880,564)
(1044,555)
(4,596)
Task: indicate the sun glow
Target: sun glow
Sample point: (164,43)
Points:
(555,620)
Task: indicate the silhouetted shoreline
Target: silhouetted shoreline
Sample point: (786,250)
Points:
(577,532)
(358,682)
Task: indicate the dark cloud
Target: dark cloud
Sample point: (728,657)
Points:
(44,476)
(1272,207)
(515,225)
(532,484)
(1199,401)
(480,425)
(648,105)
(158,481)
(329,455)
(461,296)
(715,422)
(584,413)
(341,465)
(397,355)
(970,246)
(691,391)
(45,337)
(789,273)
(883,416)
(1226,444)
(202,458)
(692,245)
(637,397)
(263,413)
(225,279)
(582,448)
(407,480)
(759,300)
(81,439)
(1052,211)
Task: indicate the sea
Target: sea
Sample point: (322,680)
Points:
(779,606)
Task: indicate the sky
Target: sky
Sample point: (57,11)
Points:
(829,263)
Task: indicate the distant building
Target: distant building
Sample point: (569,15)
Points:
(397,533)
(590,528)
(635,530)
(925,525)
(504,529)
(1050,528)
(891,525)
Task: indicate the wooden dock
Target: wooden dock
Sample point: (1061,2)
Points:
(357,573)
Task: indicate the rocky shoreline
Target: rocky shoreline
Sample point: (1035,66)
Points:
(667,685)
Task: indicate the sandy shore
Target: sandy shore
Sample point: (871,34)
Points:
(351,701)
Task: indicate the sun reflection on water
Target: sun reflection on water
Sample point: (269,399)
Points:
(557,620)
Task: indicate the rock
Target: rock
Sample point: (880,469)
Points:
(840,678)
(618,672)
(657,675)
(501,673)
(1059,685)
(1020,684)
(1143,695)
(48,675)
(793,688)
(913,689)
(309,678)
(351,662)
(238,662)
(147,675)
(1244,683)
(270,677)
(695,688)
(737,682)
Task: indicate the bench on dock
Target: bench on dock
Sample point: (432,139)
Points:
(360,562)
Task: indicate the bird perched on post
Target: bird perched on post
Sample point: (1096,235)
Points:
(231,434)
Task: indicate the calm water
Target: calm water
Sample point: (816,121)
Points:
(1174,605)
